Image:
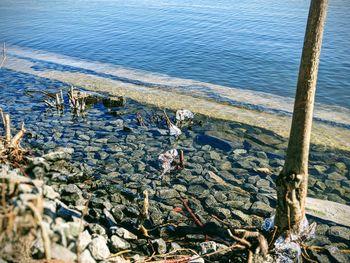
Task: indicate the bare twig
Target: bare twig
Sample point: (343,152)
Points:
(18,137)
(7,125)
(145,205)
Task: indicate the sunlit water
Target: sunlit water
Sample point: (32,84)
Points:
(250,45)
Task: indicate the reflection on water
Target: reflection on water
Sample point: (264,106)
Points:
(249,44)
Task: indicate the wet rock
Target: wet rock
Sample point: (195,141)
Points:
(61,154)
(225,166)
(204,139)
(86,257)
(262,183)
(261,209)
(321,169)
(239,151)
(167,193)
(117,244)
(198,190)
(98,248)
(215,155)
(335,176)
(261,155)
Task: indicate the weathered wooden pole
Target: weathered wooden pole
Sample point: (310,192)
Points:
(292,182)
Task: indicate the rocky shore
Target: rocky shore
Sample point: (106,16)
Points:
(93,170)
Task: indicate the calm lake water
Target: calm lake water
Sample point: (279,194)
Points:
(245,44)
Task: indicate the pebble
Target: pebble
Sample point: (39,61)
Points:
(84,240)
(86,257)
(117,244)
(62,253)
(126,234)
(98,248)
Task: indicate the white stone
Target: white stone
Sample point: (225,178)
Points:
(98,248)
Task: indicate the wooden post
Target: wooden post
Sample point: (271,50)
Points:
(292,182)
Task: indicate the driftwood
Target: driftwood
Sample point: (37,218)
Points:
(10,148)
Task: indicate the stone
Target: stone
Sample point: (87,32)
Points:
(84,240)
(239,151)
(50,193)
(167,193)
(261,155)
(97,229)
(222,213)
(126,234)
(262,183)
(117,244)
(108,218)
(225,166)
(339,233)
(63,154)
(261,209)
(320,169)
(160,245)
(174,246)
(98,248)
(84,137)
(207,247)
(215,155)
(335,176)
(62,253)
(242,216)
(68,213)
(86,257)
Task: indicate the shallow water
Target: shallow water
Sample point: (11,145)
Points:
(105,148)
(331,126)
(251,45)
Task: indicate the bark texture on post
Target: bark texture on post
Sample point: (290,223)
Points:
(292,182)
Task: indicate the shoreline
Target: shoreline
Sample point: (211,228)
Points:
(322,133)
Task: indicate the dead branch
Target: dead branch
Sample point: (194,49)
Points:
(7,125)
(15,142)
(189,210)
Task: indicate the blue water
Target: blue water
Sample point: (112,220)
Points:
(247,44)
